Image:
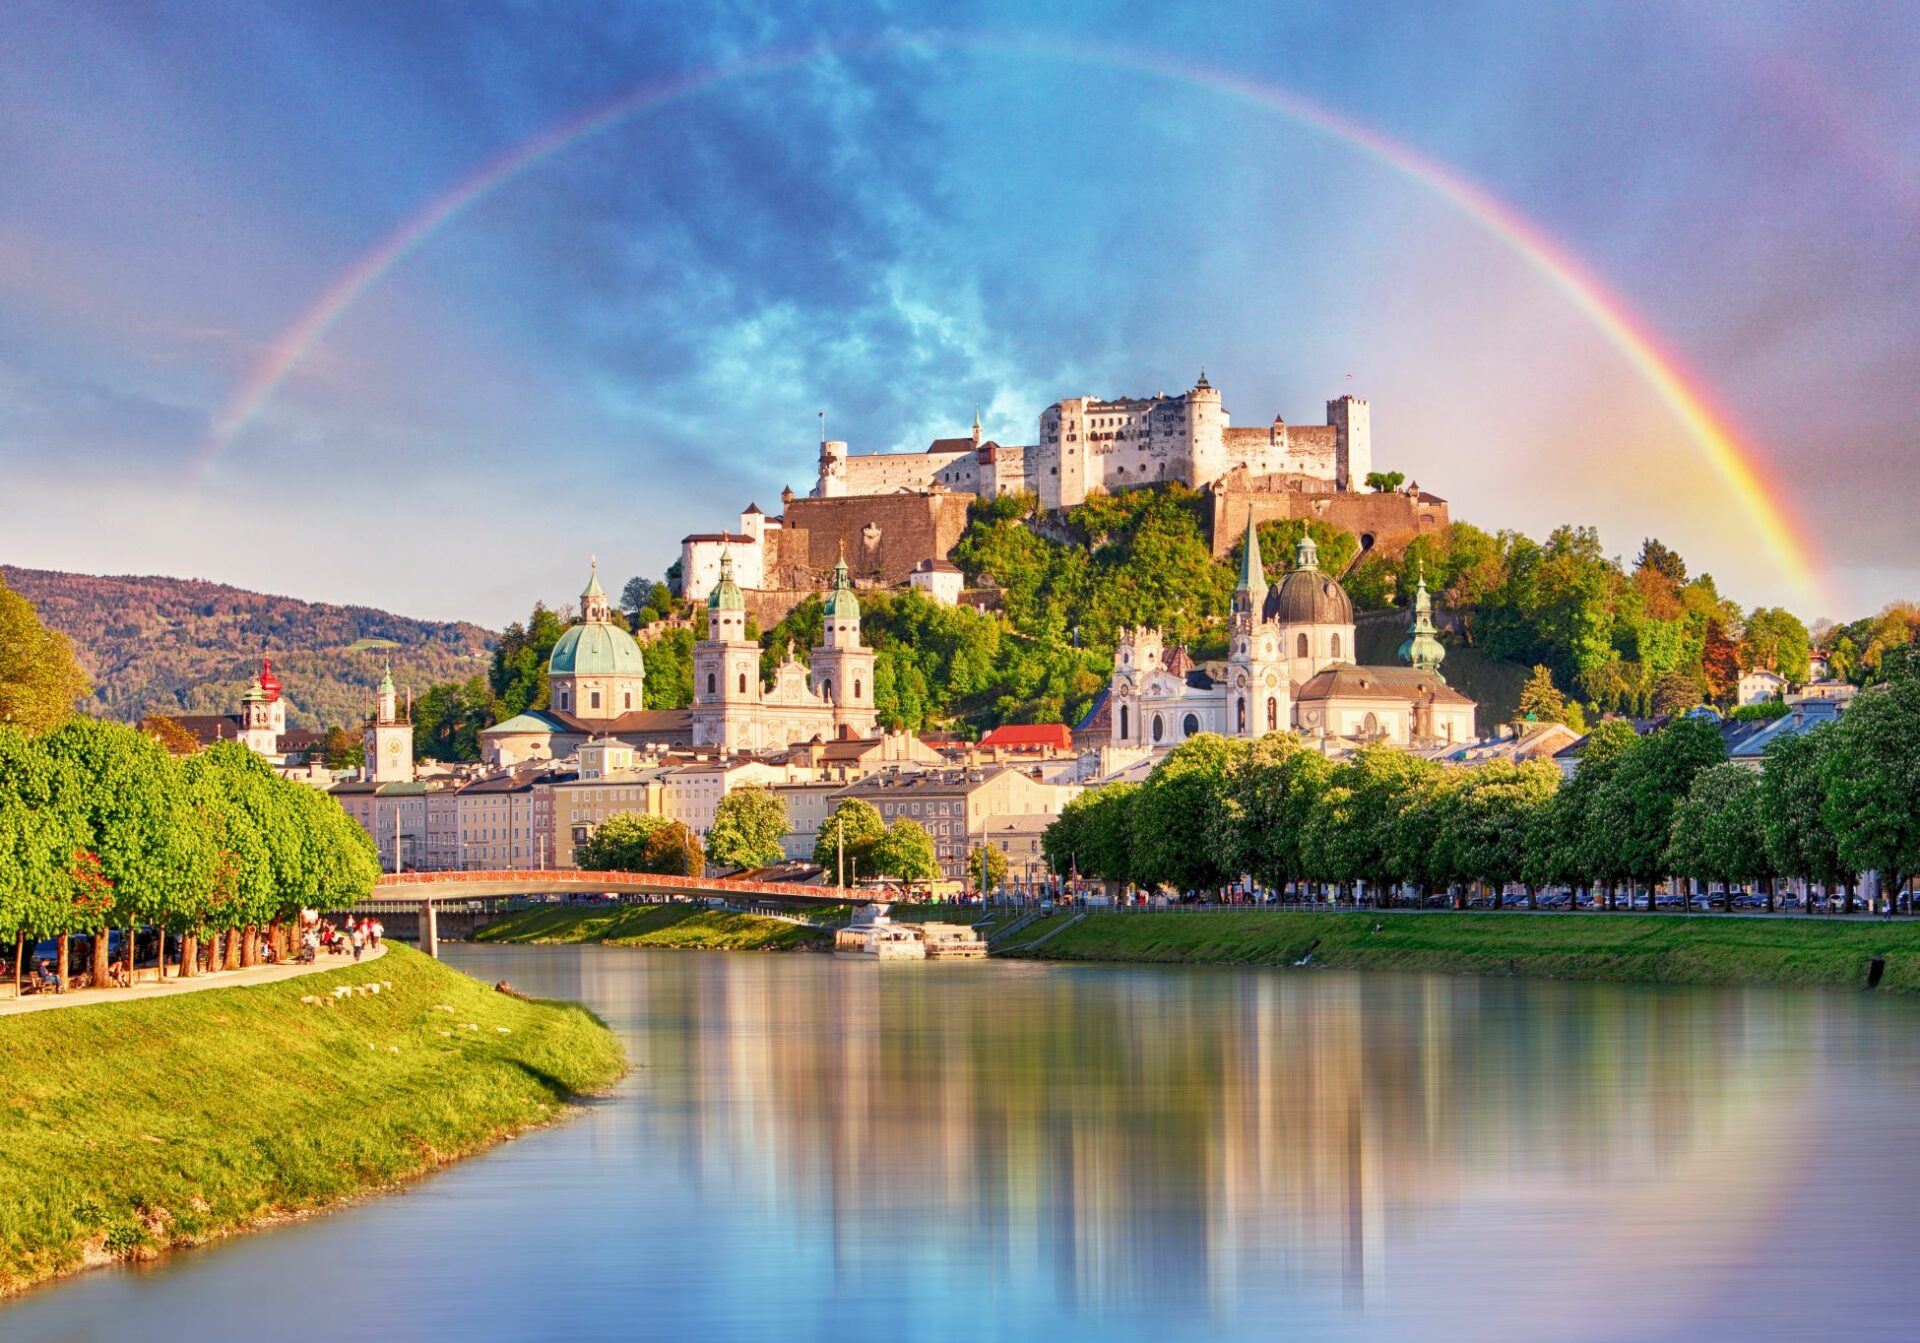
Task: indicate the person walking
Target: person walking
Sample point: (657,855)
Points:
(359,940)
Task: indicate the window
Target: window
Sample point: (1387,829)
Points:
(826,690)
(1123,722)
(596,699)
(1273,714)
(627,698)
(1300,646)
(1371,725)
(1158,728)
(743,683)
(856,689)
(710,687)
(1189,725)
(1242,705)
(563,700)
(1336,645)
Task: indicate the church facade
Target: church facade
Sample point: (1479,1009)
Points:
(1289,667)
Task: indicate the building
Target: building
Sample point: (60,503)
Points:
(388,738)
(1039,740)
(833,698)
(1019,838)
(1088,445)
(754,551)
(596,678)
(261,724)
(960,807)
(1288,668)
(498,826)
(1760,686)
(939,579)
(395,815)
(808,805)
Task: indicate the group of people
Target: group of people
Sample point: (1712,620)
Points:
(358,936)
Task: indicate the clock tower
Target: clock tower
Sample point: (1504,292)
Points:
(389,737)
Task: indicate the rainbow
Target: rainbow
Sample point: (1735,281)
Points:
(1710,428)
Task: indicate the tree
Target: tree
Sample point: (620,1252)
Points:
(1541,700)
(1661,560)
(1716,829)
(1492,820)
(174,739)
(987,868)
(1776,640)
(1564,843)
(1675,693)
(1273,793)
(1792,808)
(44,838)
(1386,481)
(345,750)
(1352,832)
(673,850)
(637,596)
(518,676)
(906,851)
(40,681)
(618,844)
(1872,776)
(1632,817)
(852,830)
(448,720)
(1180,809)
(1093,835)
(747,829)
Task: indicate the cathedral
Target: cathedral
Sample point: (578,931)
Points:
(1289,667)
(832,698)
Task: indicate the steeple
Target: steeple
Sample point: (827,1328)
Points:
(726,594)
(1423,649)
(976,426)
(593,599)
(389,698)
(1251,595)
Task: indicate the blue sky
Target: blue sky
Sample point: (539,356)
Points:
(631,339)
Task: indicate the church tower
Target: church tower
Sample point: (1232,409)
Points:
(389,736)
(1423,650)
(726,670)
(1259,698)
(256,721)
(843,666)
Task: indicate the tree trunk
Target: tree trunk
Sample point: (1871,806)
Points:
(231,961)
(101,977)
(64,951)
(1773,886)
(249,946)
(19,954)
(189,953)
(1533,896)
(1847,887)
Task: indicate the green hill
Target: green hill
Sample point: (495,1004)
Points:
(182,645)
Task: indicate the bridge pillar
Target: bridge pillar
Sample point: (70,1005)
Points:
(430,928)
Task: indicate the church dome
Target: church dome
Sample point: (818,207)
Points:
(1306,596)
(596,649)
(841,603)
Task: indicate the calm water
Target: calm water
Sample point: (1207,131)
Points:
(818,1149)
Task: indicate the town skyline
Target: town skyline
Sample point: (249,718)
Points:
(622,323)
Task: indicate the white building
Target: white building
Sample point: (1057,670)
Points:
(1761,686)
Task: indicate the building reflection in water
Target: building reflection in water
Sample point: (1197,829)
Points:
(1190,1140)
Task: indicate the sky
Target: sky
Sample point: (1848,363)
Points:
(325,300)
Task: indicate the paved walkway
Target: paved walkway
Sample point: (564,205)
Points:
(146,988)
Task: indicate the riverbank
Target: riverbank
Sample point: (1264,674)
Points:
(131,1128)
(1719,949)
(685,926)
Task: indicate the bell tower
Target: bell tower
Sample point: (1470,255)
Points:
(842,672)
(389,736)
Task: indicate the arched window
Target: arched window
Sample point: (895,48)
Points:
(710,684)
(856,689)
(1123,722)
(1242,705)
(1189,725)
(743,683)
(826,690)
(1300,647)
(1273,714)
(1159,728)
(1336,646)
(563,700)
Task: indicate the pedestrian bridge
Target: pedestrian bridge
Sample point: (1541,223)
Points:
(426,891)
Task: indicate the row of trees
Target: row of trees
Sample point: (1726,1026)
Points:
(1827,806)
(100,828)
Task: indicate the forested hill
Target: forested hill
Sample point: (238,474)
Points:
(181,645)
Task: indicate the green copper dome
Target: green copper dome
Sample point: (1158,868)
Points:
(726,593)
(841,603)
(596,649)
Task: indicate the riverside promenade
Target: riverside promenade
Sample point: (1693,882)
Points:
(144,990)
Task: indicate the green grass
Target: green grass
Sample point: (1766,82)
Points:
(1659,948)
(693,927)
(127,1128)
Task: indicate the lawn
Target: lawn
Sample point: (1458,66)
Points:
(130,1127)
(687,926)
(1660,948)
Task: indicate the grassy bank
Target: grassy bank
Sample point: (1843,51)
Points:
(129,1128)
(693,927)
(1657,949)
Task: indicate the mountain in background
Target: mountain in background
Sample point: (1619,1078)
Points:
(182,645)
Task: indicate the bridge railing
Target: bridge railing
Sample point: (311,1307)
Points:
(614,881)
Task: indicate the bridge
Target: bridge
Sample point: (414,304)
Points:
(426,891)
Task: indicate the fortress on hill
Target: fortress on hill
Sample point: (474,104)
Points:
(896,516)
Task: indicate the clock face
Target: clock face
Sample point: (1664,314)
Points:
(393,747)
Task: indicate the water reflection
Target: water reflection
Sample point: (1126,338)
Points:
(811,1148)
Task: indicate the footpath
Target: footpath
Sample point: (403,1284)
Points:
(144,989)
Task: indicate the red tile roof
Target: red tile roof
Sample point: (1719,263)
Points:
(1030,736)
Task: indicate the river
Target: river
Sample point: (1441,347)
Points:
(811,1148)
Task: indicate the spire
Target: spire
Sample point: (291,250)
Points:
(976,426)
(726,594)
(1251,596)
(593,598)
(841,603)
(1203,384)
(1423,649)
(386,679)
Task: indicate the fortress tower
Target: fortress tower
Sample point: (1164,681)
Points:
(1352,442)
